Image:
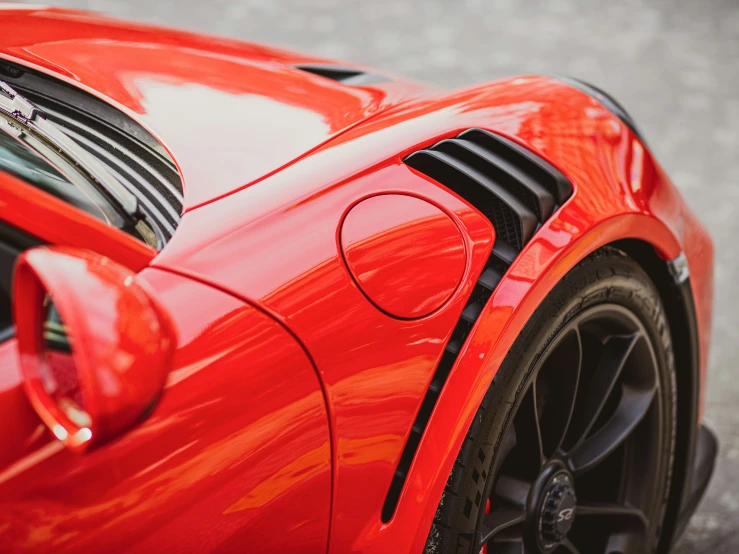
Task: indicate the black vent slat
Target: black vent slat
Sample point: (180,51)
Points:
(547,174)
(454,347)
(510,199)
(536,197)
(518,192)
(490,278)
(116,140)
(472,312)
(504,253)
(514,222)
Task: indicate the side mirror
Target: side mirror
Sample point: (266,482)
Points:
(95,348)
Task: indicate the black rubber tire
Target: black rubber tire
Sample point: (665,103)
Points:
(606,276)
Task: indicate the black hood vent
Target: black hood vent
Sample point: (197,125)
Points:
(517,191)
(344,75)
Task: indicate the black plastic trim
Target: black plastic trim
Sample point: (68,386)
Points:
(518,182)
(704,462)
(695,467)
(687,413)
(548,175)
(514,222)
(510,186)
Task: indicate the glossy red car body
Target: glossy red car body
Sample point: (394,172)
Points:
(299,367)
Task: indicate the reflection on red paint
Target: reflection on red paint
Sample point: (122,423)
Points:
(54,221)
(252,108)
(406,254)
(231,455)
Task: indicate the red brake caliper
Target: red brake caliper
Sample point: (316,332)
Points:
(484,549)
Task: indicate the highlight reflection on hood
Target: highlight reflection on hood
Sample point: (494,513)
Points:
(244,136)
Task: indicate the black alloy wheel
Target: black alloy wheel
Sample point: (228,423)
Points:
(579,461)
(570,473)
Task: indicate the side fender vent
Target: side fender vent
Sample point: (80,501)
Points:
(514,188)
(344,75)
(517,191)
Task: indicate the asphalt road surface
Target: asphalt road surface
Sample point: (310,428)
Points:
(673,63)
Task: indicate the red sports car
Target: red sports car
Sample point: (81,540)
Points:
(255,301)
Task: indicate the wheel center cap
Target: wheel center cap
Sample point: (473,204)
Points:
(557,511)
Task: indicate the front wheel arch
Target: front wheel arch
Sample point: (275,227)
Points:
(677,300)
(565,303)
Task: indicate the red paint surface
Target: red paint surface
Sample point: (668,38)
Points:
(18,439)
(53,221)
(122,343)
(253,110)
(244,417)
(405,254)
(376,368)
(236,453)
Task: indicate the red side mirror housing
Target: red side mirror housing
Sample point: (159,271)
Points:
(95,347)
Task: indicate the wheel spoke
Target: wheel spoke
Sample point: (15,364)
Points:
(592,396)
(605,376)
(498,521)
(632,408)
(529,450)
(513,546)
(556,385)
(626,526)
(513,490)
(615,516)
(569,547)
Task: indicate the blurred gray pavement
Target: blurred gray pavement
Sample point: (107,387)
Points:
(673,64)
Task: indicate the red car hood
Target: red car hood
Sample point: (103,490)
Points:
(229,112)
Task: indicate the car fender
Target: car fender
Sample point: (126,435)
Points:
(248,246)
